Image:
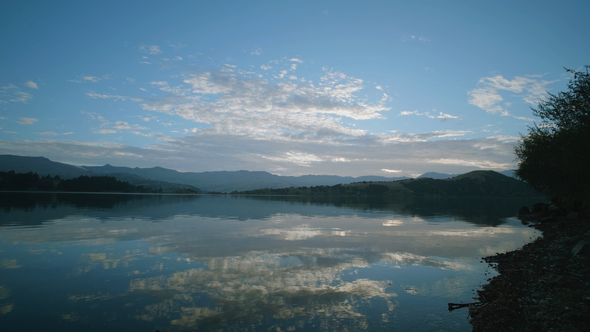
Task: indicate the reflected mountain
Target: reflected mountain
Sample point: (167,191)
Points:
(31,209)
(480,211)
(179,263)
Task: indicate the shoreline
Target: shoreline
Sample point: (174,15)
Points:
(543,286)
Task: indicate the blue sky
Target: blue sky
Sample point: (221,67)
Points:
(393,88)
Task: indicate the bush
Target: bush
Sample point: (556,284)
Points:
(554,158)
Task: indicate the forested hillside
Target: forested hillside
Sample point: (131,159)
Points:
(473,184)
(11,181)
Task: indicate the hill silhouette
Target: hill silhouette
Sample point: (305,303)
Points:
(156,178)
(472,184)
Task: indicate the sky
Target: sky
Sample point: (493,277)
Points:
(349,88)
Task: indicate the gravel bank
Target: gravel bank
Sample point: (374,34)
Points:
(543,286)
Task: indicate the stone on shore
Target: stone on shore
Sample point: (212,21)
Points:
(582,247)
(545,285)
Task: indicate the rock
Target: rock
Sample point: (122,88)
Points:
(523,211)
(572,215)
(548,219)
(582,247)
(539,207)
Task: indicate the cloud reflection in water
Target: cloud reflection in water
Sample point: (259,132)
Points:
(288,270)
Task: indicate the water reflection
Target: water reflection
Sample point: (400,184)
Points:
(486,212)
(225,263)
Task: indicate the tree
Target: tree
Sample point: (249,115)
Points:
(554,158)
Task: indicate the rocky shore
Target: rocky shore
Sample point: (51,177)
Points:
(545,286)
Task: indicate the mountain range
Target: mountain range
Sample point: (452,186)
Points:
(472,184)
(170,180)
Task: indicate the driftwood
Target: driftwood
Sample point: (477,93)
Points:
(455,306)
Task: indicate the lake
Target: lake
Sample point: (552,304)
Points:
(107,262)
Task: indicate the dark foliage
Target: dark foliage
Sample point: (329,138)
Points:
(11,181)
(473,184)
(97,184)
(26,181)
(491,184)
(554,158)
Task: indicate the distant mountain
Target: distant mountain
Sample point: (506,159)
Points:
(472,184)
(228,181)
(43,166)
(222,181)
(171,180)
(166,187)
(437,176)
(39,165)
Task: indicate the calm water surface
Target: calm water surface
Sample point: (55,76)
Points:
(90,262)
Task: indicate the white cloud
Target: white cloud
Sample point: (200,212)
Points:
(27,121)
(500,83)
(487,95)
(390,223)
(151,49)
(441,115)
(177,45)
(446,116)
(92,79)
(117,97)
(50,133)
(257,51)
(282,74)
(256,109)
(246,122)
(478,163)
(297,158)
(31,84)
(293,66)
(209,84)
(487,99)
(408,137)
(121,125)
(192,130)
(296,60)
(450,133)
(106,131)
(106,127)
(339,160)
(263,67)
(414,38)
(524,118)
(379,87)
(506,138)
(11,93)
